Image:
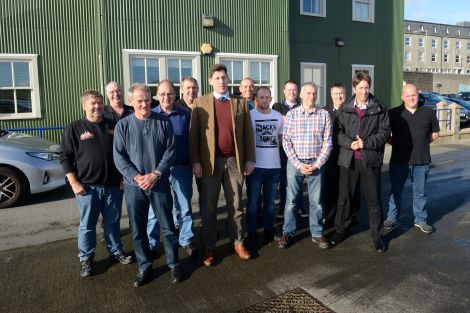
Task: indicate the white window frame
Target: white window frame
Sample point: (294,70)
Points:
(421,56)
(434,30)
(322,9)
(321,93)
(421,42)
(446,44)
(458,44)
(408,56)
(32,60)
(371,11)
(162,56)
(407,41)
(246,58)
(433,43)
(364,67)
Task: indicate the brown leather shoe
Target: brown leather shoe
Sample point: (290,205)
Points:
(242,251)
(209,257)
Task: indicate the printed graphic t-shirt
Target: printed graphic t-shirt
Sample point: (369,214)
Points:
(266,129)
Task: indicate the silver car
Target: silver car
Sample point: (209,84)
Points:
(28,165)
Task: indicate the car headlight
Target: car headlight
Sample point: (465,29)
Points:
(41,155)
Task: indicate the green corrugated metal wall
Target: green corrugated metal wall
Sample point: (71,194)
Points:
(62,33)
(378,44)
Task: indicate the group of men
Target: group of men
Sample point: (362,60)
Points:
(151,154)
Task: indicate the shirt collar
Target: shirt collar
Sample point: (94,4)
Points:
(305,111)
(363,108)
(158,109)
(218,95)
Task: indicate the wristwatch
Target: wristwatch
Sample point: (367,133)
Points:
(157,175)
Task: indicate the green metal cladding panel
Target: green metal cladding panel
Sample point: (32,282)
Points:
(62,33)
(378,44)
(241,26)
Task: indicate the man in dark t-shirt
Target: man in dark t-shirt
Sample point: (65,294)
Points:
(413,129)
(87,159)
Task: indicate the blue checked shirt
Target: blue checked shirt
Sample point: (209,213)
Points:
(307,136)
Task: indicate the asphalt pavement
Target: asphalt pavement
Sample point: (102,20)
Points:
(418,272)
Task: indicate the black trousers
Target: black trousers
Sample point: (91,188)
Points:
(369,178)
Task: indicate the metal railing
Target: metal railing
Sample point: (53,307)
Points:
(444,116)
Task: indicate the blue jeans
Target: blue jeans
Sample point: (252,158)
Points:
(294,190)
(398,176)
(267,180)
(138,204)
(181,179)
(107,201)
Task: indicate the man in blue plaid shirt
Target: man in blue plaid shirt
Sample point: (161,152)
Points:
(307,142)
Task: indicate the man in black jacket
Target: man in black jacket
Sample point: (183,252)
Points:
(364,128)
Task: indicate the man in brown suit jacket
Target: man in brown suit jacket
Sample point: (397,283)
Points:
(222,152)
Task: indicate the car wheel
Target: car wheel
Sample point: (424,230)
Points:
(12,187)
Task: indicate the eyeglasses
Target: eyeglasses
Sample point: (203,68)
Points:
(168,95)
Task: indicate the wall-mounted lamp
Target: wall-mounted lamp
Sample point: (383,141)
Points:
(207,21)
(206,48)
(339,42)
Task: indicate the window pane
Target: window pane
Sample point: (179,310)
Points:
(307,5)
(174,70)
(186,68)
(265,73)
(21,74)
(153,76)
(316,6)
(7,102)
(228,65)
(362,11)
(5,74)
(138,70)
(23,101)
(237,72)
(254,72)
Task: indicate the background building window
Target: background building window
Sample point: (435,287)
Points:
(468,45)
(19,87)
(446,44)
(315,73)
(407,41)
(152,66)
(468,59)
(433,43)
(421,56)
(434,30)
(261,68)
(421,42)
(408,56)
(458,44)
(433,57)
(457,58)
(446,58)
(313,7)
(363,10)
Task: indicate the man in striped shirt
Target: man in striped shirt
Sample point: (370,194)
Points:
(307,142)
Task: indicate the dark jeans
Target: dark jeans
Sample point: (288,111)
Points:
(369,177)
(268,180)
(138,203)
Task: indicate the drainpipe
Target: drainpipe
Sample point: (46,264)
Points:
(101,52)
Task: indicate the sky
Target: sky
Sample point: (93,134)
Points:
(438,11)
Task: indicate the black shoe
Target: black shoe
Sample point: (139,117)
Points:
(175,274)
(388,225)
(86,267)
(252,241)
(268,236)
(337,238)
(190,248)
(143,277)
(379,245)
(122,258)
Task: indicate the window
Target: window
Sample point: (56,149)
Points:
(315,73)
(458,32)
(468,59)
(458,44)
(446,44)
(19,87)
(408,27)
(457,58)
(421,42)
(433,43)
(408,56)
(446,58)
(261,68)
(447,31)
(152,66)
(434,30)
(421,28)
(363,10)
(468,45)
(407,41)
(433,57)
(369,69)
(313,7)
(421,56)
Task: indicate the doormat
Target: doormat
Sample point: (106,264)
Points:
(296,300)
